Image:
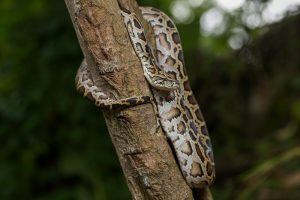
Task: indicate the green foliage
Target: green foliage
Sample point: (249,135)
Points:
(54,144)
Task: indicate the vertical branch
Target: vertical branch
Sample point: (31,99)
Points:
(146,159)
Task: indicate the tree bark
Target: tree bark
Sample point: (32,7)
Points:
(145,156)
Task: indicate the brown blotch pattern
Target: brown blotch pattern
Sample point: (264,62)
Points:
(148,50)
(209,169)
(136,24)
(193,127)
(187,86)
(180,56)
(181,128)
(185,119)
(172,129)
(172,75)
(171,114)
(210,155)
(204,130)
(170,61)
(176,38)
(164,41)
(196,170)
(142,36)
(126,11)
(170,24)
(182,103)
(192,100)
(170,97)
(208,143)
(188,112)
(199,153)
(186,148)
(159,55)
(161,99)
(192,135)
(199,114)
(202,144)
(139,47)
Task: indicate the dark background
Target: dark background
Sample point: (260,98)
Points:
(55,145)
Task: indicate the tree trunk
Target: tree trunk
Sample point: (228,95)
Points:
(145,156)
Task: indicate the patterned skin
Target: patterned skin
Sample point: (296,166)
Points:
(177,109)
(87,88)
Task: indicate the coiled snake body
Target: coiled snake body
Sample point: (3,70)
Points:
(178,111)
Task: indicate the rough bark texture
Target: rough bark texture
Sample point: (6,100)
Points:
(145,156)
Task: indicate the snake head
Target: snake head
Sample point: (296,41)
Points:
(166,85)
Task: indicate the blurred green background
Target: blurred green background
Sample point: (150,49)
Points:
(243,61)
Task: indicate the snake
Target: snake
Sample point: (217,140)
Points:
(177,109)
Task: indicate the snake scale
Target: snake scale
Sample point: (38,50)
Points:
(177,108)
